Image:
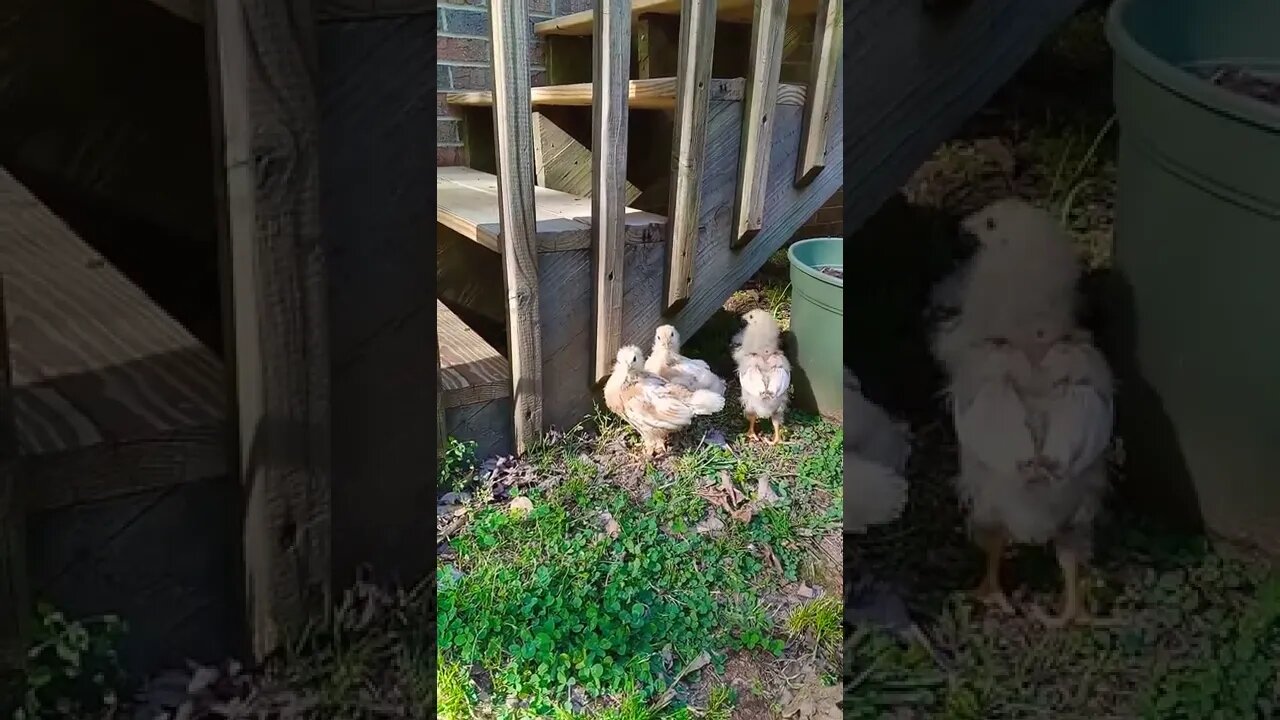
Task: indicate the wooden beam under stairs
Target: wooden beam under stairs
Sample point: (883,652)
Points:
(736,11)
(475,386)
(648,94)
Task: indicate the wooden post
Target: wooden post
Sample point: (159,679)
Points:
(262,56)
(442,432)
(828,43)
(757,117)
(15,595)
(693,87)
(612,38)
(513,137)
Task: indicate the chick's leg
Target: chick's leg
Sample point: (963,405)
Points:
(989,591)
(1072,605)
(777,430)
(751,427)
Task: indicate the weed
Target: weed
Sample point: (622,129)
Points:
(72,668)
(454,692)
(821,619)
(458,463)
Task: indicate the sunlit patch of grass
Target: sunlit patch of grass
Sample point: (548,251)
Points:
(821,619)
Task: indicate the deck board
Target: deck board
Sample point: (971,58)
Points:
(471,370)
(94,360)
(741,11)
(648,94)
(467,203)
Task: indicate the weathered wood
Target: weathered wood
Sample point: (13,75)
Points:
(612,39)
(376,169)
(758,113)
(735,11)
(657,46)
(471,370)
(467,202)
(562,163)
(442,432)
(487,424)
(651,94)
(267,131)
(15,591)
(569,59)
(697,43)
(827,54)
(509,20)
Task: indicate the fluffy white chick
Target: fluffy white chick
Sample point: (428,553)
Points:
(763,371)
(666,361)
(875,456)
(1031,398)
(653,406)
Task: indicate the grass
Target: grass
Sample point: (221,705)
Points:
(589,581)
(1197,624)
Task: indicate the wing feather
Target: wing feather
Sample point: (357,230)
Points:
(992,426)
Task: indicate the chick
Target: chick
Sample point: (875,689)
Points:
(763,372)
(875,455)
(1031,399)
(666,361)
(653,406)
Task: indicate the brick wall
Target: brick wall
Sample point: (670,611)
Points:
(828,221)
(462,59)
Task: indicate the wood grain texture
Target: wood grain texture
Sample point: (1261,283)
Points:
(267,120)
(612,37)
(486,424)
(376,171)
(657,46)
(15,590)
(562,163)
(697,43)
(94,360)
(828,51)
(509,21)
(467,203)
(643,94)
(471,370)
(442,431)
(758,113)
(738,11)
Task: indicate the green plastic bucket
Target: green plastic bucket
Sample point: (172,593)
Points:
(1196,253)
(817,326)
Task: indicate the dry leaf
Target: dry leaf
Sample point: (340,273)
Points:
(805,591)
(771,558)
(522,505)
(703,660)
(764,492)
(744,513)
(611,526)
(712,524)
(731,490)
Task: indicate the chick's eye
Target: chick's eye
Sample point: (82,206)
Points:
(991,223)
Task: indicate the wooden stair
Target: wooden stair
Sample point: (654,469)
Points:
(704,177)
(475,386)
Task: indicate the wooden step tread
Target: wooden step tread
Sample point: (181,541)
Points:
(471,370)
(650,94)
(740,11)
(467,203)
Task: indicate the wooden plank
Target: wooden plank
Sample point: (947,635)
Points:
(442,432)
(486,424)
(697,43)
(471,370)
(739,11)
(612,38)
(514,140)
(827,54)
(376,167)
(267,131)
(562,163)
(758,114)
(644,94)
(657,46)
(467,202)
(15,591)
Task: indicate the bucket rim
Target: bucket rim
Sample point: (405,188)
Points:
(1180,82)
(808,269)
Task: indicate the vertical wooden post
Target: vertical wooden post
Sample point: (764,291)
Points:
(266,128)
(15,596)
(513,136)
(828,44)
(693,92)
(612,38)
(442,432)
(757,118)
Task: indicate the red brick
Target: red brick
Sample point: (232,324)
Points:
(472,78)
(446,156)
(472,23)
(540,7)
(461,49)
(447,132)
(442,107)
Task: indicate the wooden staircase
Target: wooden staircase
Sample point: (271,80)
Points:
(672,153)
